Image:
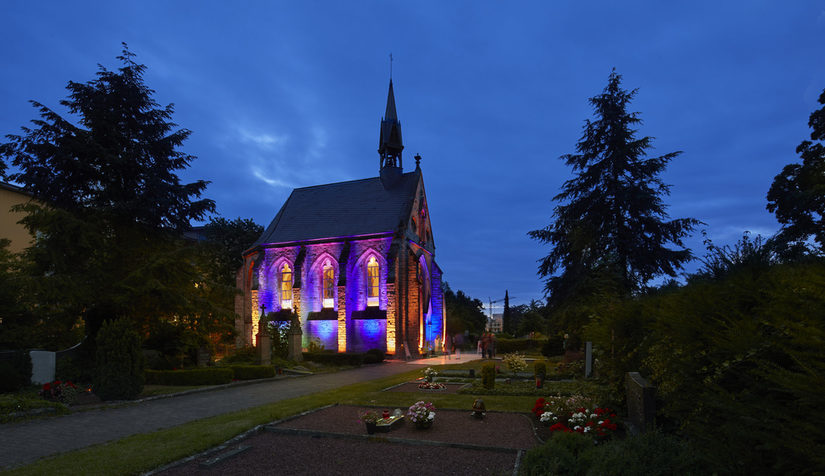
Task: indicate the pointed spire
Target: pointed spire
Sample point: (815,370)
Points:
(390,144)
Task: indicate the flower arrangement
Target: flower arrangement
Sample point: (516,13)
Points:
(515,362)
(64,392)
(431,386)
(556,413)
(422,414)
(369,416)
(430,373)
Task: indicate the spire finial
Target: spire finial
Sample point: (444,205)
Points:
(418,161)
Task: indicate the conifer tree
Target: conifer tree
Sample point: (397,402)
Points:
(610,228)
(109,233)
(797,195)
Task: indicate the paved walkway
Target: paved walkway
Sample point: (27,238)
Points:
(26,442)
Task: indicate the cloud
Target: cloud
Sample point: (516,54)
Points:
(262,140)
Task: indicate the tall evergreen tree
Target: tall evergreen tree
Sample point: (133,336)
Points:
(610,229)
(797,195)
(109,240)
(506,319)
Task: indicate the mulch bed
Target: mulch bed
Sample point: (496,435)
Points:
(413,388)
(333,441)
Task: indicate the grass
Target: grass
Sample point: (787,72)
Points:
(140,453)
(23,402)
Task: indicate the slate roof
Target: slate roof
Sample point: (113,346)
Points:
(358,207)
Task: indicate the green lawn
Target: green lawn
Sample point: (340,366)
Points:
(140,453)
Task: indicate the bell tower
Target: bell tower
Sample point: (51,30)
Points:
(390,144)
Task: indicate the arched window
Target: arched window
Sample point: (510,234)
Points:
(329,286)
(286,287)
(372,282)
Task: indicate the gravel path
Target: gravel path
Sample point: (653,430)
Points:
(332,441)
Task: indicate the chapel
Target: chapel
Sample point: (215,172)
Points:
(354,260)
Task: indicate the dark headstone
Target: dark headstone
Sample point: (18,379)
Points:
(641,406)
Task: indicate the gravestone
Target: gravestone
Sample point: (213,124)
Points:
(641,405)
(264,344)
(43,365)
(294,336)
(588,359)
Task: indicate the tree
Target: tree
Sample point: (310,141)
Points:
(464,313)
(109,239)
(797,195)
(610,229)
(506,317)
(226,241)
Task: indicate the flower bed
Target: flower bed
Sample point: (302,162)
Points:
(575,414)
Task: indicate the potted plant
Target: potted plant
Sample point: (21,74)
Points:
(430,373)
(370,419)
(422,414)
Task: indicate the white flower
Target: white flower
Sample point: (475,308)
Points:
(577,428)
(601,421)
(593,416)
(431,416)
(586,429)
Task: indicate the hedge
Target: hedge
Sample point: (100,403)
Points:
(252,372)
(207,376)
(518,345)
(334,358)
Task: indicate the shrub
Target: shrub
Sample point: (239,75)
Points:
(203,376)
(119,370)
(10,379)
(651,454)
(552,347)
(559,455)
(76,369)
(374,356)
(518,345)
(515,362)
(648,454)
(16,370)
(252,372)
(243,355)
(540,370)
(331,358)
(488,375)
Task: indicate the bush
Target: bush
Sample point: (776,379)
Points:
(203,376)
(243,355)
(10,379)
(552,347)
(515,362)
(374,356)
(504,346)
(648,454)
(75,369)
(540,370)
(119,370)
(18,373)
(651,454)
(488,375)
(559,455)
(252,372)
(331,358)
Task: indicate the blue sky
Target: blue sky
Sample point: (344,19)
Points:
(290,94)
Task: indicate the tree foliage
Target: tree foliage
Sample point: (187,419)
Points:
(119,371)
(226,241)
(797,195)
(736,359)
(610,227)
(464,313)
(109,239)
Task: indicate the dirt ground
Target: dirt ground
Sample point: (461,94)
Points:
(332,441)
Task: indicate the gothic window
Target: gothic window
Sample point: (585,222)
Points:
(286,287)
(328,285)
(372,282)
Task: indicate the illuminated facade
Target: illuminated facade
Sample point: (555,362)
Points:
(354,260)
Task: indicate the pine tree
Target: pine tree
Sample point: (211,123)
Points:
(610,231)
(506,318)
(109,241)
(797,195)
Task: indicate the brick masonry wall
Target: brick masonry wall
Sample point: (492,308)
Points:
(413,308)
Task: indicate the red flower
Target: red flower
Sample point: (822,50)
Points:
(47,387)
(560,427)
